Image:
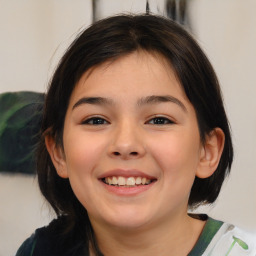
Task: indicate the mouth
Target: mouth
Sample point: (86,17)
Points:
(121,181)
(127,182)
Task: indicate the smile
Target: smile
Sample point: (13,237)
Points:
(127,181)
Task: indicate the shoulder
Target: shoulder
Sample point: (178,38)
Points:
(27,247)
(52,240)
(39,241)
(231,240)
(220,238)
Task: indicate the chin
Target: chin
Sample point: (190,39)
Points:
(128,224)
(128,219)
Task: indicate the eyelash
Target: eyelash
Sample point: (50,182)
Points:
(95,121)
(158,120)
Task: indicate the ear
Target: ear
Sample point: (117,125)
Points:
(211,153)
(57,155)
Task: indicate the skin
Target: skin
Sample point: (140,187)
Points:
(127,137)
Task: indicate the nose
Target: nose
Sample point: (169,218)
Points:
(127,142)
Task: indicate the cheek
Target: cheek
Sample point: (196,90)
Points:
(177,153)
(177,158)
(82,152)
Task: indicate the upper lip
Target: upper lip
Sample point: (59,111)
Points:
(126,173)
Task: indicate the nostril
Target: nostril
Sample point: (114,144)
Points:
(116,153)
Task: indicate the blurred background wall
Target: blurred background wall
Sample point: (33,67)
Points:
(33,36)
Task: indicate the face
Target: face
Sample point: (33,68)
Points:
(131,143)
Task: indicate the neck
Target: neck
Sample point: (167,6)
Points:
(175,237)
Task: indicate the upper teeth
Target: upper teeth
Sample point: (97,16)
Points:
(130,181)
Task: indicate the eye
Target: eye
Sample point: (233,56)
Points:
(95,121)
(160,121)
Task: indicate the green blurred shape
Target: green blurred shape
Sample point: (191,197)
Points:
(20,120)
(240,242)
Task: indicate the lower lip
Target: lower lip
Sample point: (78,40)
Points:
(128,191)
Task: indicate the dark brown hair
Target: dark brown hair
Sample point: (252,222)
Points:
(113,38)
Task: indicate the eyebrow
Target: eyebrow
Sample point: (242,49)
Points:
(93,101)
(153,99)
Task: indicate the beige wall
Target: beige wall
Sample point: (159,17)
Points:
(33,36)
(226,30)
(31,31)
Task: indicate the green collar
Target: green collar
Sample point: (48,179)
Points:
(210,229)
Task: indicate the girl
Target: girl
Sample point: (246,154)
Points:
(134,133)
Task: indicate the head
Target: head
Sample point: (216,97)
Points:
(109,41)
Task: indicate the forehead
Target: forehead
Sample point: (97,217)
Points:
(137,73)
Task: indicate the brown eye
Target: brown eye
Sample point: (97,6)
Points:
(160,121)
(95,121)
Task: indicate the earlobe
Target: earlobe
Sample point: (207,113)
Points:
(57,155)
(211,153)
